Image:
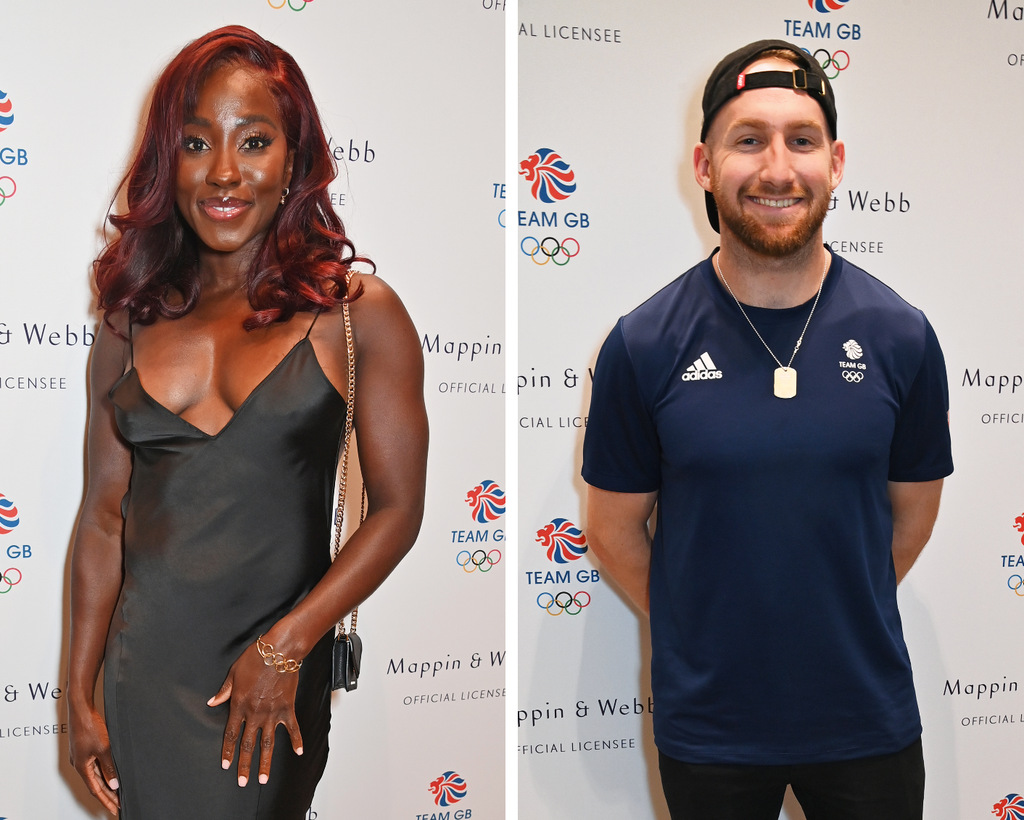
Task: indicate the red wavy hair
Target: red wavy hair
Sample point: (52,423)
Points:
(306,255)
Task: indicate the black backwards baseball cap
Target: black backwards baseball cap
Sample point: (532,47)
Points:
(728,80)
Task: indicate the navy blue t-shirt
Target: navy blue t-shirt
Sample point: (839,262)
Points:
(775,632)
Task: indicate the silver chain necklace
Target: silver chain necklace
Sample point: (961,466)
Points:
(785,375)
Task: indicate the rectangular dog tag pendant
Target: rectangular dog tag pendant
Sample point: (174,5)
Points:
(785,382)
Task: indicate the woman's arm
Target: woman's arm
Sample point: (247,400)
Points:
(96,571)
(391,429)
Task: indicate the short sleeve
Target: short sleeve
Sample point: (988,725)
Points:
(921,447)
(621,451)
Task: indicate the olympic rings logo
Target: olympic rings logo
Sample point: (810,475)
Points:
(1016,583)
(478,560)
(564,602)
(290,4)
(853,376)
(8,581)
(831,61)
(4,193)
(544,251)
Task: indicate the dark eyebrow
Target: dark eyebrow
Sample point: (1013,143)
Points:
(242,122)
(252,119)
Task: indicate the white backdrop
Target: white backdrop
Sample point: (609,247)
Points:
(411,94)
(929,103)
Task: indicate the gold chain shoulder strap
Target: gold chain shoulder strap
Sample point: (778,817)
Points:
(350,400)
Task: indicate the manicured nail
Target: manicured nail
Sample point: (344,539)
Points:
(242,780)
(113,784)
(210,701)
(264,778)
(225,764)
(298,751)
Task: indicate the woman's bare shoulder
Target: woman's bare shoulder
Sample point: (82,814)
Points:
(383,333)
(375,294)
(113,347)
(377,311)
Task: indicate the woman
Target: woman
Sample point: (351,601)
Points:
(218,384)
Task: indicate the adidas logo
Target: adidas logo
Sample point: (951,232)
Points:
(702,370)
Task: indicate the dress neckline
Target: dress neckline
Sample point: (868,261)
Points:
(133,373)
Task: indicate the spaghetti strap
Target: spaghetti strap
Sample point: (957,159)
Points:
(131,343)
(310,328)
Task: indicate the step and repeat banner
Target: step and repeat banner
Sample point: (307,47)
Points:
(411,98)
(929,107)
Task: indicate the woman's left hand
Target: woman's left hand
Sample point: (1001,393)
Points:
(261,698)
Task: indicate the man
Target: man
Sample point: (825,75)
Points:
(788,414)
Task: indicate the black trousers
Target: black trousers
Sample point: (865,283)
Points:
(887,787)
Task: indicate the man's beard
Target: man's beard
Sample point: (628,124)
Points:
(776,240)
